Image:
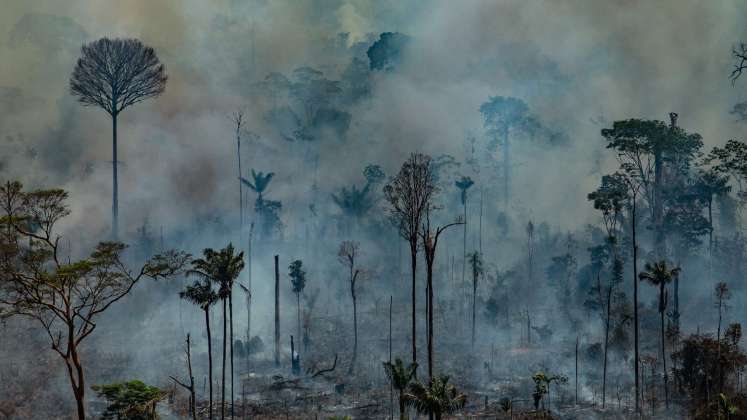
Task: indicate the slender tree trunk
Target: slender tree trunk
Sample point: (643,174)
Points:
(430,318)
(464,240)
(210,361)
(474,304)
(115,183)
(391,387)
(355,331)
(635,309)
(663,352)
(606,346)
(576,370)
(75,372)
(277,312)
(223,369)
(401,406)
(230,313)
(298,312)
(192,398)
(413,262)
(718,342)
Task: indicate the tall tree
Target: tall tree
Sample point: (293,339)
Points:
(65,298)
(659,274)
(409,193)
(266,211)
(223,268)
(354,203)
(348,255)
(113,74)
(201,293)
(298,282)
(503,115)
(429,236)
(464,184)
(475,262)
(646,149)
(722,294)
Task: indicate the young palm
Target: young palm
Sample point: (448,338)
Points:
(401,377)
(223,268)
(658,274)
(201,294)
(437,398)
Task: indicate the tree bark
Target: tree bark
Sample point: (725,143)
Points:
(115,183)
(635,308)
(210,362)
(663,352)
(413,262)
(277,312)
(606,346)
(230,313)
(223,369)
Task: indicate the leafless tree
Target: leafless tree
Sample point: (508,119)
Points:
(113,74)
(65,298)
(409,193)
(348,256)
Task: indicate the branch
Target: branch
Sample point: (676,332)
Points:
(323,371)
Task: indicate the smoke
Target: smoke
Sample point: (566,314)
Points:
(578,64)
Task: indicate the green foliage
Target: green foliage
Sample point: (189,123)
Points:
(297,276)
(131,400)
(659,274)
(220,267)
(542,383)
(386,52)
(438,397)
(399,374)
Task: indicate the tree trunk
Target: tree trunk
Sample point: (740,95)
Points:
(210,362)
(474,304)
(355,332)
(77,382)
(223,369)
(298,312)
(277,312)
(430,318)
(606,346)
(230,314)
(663,352)
(576,401)
(192,397)
(506,169)
(115,183)
(401,406)
(635,309)
(658,205)
(413,262)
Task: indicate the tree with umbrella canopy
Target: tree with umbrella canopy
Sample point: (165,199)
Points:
(266,210)
(354,202)
(223,268)
(659,274)
(114,74)
(201,293)
(298,281)
(463,185)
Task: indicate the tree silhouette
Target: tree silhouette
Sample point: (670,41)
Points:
(201,293)
(223,268)
(298,282)
(266,210)
(475,262)
(463,185)
(437,398)
(409,194)
(354,202)
(658,274)
(722,294)
(501,116)
(113,74)
(401,377)
(66,298)
(348,254)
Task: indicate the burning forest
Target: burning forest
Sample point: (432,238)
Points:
(329,209)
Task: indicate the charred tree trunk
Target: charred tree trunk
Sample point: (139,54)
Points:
(277,312)
(230,313)
(413,262)
(223,368)
(635,307)
(115,181)
(606,346)
(662,297)
(210,362)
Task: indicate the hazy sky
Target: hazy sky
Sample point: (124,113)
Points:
(578,64)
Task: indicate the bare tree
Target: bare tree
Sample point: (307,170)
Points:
(113,74)
(409,193)
(65,298)
(191,387)
(348,255)
(429,235)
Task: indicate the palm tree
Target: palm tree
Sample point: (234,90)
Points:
(437,398)
(263,209)
(401,376)
(201,294)
(354,202)
(475,261)
(298,281)
(348,253)
(464,184)
(223,268)
(259,182)
(658,274)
